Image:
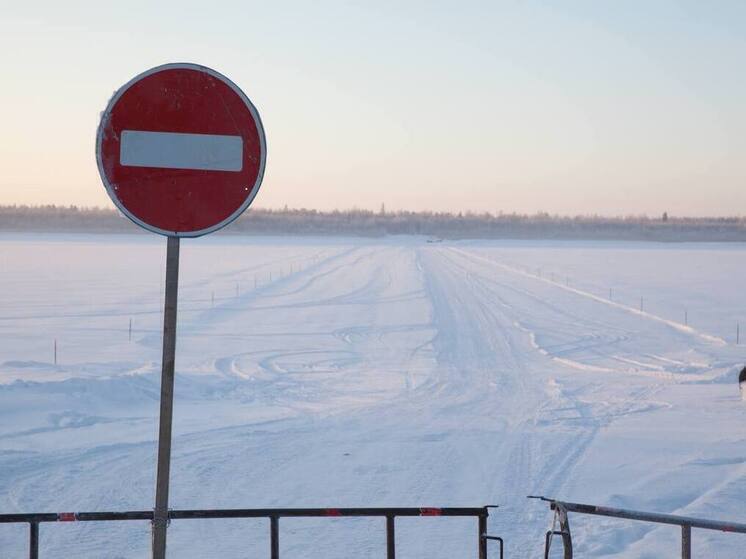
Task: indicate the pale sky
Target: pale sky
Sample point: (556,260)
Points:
(568,107)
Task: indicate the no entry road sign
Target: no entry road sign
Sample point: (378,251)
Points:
(181,150)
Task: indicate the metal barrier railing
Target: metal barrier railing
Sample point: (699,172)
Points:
(274,515)
(562,508)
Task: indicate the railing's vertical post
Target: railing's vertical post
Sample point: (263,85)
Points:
(33,540)
(482,533)
(390,537)
(564,522)
(686,542)
(274,537)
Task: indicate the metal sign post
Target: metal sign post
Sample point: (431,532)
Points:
(181,152)
(160,517)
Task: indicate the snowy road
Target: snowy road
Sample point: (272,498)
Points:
(372,373)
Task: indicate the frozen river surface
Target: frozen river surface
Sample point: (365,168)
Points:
(393,372)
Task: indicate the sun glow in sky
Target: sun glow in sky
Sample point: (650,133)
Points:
(567,107)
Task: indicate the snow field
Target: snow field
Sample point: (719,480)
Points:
(373,373)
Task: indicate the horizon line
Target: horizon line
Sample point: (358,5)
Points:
(382,211)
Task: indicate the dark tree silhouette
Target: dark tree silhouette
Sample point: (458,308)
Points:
(445,225)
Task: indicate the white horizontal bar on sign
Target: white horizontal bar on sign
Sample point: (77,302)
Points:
(171,150)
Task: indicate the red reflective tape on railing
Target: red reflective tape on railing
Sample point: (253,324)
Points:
(333,512)
(66,517)
(430,511)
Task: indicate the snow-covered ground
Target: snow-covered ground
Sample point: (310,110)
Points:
(349,372)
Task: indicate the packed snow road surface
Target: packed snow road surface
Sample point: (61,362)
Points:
(373,373)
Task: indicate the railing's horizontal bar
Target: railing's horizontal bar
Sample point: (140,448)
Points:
(103,516)
(40,517)
(651,517)
(287,513)
(243,513)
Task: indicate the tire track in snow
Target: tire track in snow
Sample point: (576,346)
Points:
(671,323)
(488,366)
(598,345)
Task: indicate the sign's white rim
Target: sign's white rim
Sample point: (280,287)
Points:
(262,149)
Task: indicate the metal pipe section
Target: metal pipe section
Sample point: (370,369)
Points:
(160,517)
(659,518)
(564,522)
(27,518)
(241,513)
(274,515)
(566,543)
(323,512)
(482,541)
(500,542)
(390,537)
(274,537)
(33,540)
(686,542)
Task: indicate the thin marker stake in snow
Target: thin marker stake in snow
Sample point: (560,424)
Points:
(168,150)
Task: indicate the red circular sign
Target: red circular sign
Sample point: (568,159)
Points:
(181,150)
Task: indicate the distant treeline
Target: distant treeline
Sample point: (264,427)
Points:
(369,223)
